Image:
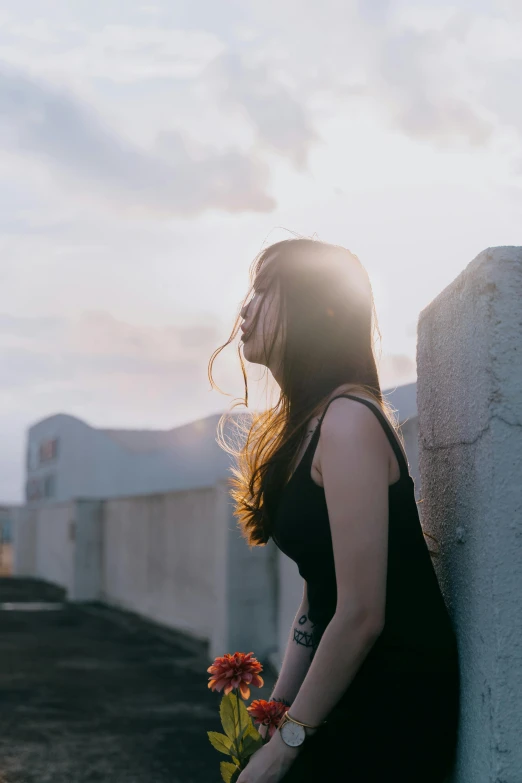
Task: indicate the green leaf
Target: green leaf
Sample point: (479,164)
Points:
(231,715)
(228,714)
(251,731)
(229,772)
(221,742)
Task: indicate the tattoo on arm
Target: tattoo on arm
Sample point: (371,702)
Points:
(283,701)
(304,638)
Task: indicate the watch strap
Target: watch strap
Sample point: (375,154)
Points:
(287,716)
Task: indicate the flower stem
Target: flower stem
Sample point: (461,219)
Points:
(238,721)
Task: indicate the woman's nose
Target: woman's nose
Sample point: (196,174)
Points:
(244,311)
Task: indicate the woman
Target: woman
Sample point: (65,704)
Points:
(371,666)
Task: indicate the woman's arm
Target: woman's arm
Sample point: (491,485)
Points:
(296,661)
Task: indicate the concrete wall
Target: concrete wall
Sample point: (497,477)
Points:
(469,395)
(24,541)
(159,558)
(87,531)
(177,558)
(55,545)
(61,543)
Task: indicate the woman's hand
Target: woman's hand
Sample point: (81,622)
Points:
(270,762)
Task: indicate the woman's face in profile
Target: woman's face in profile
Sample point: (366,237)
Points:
(259,327)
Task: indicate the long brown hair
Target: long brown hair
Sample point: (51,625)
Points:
(327,317)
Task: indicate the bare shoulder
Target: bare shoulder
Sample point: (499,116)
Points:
(349,411)
(344,404)
(346,417)
(354,423)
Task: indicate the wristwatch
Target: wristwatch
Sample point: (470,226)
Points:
(293,733)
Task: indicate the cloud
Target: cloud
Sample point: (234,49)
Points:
(120,53)
(16,327)
(425,68)
(51,123)
(282,123)
(376,12)
(121,44)
(418,84)
(97,345)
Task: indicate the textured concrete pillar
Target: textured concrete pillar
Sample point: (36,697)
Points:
(24,541)
(469,399)
(62,543)
(88,551)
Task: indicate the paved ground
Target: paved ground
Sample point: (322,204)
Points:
(90,694)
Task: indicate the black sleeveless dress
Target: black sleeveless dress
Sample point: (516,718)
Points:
(398,718)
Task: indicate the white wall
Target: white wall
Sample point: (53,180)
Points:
(62,544)
(159,558)
(55,545)
(469,394)
(88,549)
(24,541)
(43,544)
(177,558)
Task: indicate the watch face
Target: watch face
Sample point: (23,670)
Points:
(293,734)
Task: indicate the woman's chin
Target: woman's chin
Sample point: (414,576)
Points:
(248,353)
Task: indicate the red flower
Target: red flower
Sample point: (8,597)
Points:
(235,671)
(267,713)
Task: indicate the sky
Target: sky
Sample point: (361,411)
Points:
(149,151)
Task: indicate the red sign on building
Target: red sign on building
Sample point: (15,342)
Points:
(48,450)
